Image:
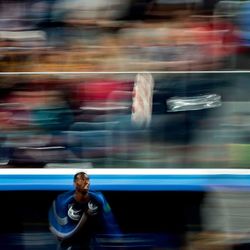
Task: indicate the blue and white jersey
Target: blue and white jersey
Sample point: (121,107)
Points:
(68,217)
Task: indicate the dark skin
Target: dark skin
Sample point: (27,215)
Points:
(82,184)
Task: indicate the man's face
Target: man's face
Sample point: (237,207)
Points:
(82,184)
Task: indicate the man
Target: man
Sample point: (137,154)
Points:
(76,216)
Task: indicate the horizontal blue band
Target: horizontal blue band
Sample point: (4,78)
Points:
(126,182)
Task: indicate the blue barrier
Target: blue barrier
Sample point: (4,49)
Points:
(125,179)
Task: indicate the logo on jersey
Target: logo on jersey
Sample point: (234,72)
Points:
(74,214)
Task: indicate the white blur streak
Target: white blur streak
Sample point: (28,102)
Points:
(142,99)
(121,171)
(176,104)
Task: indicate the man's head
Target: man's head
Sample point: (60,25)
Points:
(81,182)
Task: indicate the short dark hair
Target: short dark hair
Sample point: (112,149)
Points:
(82,174)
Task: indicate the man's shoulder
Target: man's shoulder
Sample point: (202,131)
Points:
(97,197)
(65,196)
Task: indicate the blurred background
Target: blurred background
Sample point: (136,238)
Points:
(193,119)
(67,101)
(185,120)
(123,35)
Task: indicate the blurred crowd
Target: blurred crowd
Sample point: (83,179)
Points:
(121,35)
(61,120)
(125,120)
